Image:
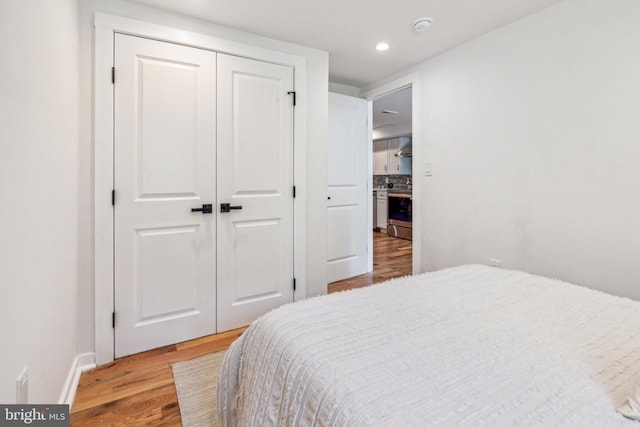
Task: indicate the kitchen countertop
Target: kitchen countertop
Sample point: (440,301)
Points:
(400,190)
(394,190)
(395,187)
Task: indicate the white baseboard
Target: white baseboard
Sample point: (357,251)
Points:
(82,362)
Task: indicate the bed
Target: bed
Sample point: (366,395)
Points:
(466,346)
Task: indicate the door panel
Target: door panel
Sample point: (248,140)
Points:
(348,195)
(157,274)
(255,171)
(342,221)
(168,109)
(261,280)
(164,166)
(255,140)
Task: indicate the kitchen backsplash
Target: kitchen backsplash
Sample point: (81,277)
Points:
(398,181)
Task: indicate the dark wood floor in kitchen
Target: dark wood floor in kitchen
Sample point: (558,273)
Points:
(139,390)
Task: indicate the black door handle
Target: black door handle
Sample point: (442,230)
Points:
(205,209)
(226,207)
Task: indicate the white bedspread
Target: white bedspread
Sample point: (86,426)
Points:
(471,345)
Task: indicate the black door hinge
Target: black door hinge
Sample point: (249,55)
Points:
(113,197)
(294,284)
(294,97)
(294,191)
(113,320)
(113,75)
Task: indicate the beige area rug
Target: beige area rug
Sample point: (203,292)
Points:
(197,388)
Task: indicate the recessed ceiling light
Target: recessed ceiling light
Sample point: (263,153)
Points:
(382,46)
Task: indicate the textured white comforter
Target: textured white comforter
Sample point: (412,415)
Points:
(471,345)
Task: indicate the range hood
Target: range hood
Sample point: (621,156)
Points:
(405,152)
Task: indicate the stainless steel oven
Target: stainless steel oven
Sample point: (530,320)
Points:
(399,215)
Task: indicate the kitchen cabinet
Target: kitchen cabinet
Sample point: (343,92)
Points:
(385,159)
(382,207)
(380,157)
(398,165)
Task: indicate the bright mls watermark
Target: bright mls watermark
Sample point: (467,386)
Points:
(34,415)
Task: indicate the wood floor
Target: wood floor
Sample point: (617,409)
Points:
(139,390)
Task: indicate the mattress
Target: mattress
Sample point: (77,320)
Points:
(466,346)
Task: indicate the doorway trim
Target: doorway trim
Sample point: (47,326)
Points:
(411,80)
(106,26)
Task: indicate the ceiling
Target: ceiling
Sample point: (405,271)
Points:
(349,30)
(398,102)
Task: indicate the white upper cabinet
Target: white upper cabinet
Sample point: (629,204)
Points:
(387,157)
(380,154)
(393,162)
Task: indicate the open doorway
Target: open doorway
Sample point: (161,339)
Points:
(392,184)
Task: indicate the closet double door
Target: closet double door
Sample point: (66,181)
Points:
(203,178)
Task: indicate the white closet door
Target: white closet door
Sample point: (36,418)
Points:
(255,175)
(165,254)
(347,204)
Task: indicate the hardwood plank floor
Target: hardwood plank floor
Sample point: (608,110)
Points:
(139,390)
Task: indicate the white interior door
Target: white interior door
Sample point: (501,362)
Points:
(165,255)
(347,204)
(255,175)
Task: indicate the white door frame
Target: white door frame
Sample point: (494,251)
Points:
(105,28)
(412,80)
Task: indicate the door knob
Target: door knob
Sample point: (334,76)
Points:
(226,207)
(205,209)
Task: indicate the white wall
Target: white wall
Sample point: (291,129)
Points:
(344,89)
(317,107)
(534,135)
(39,191)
